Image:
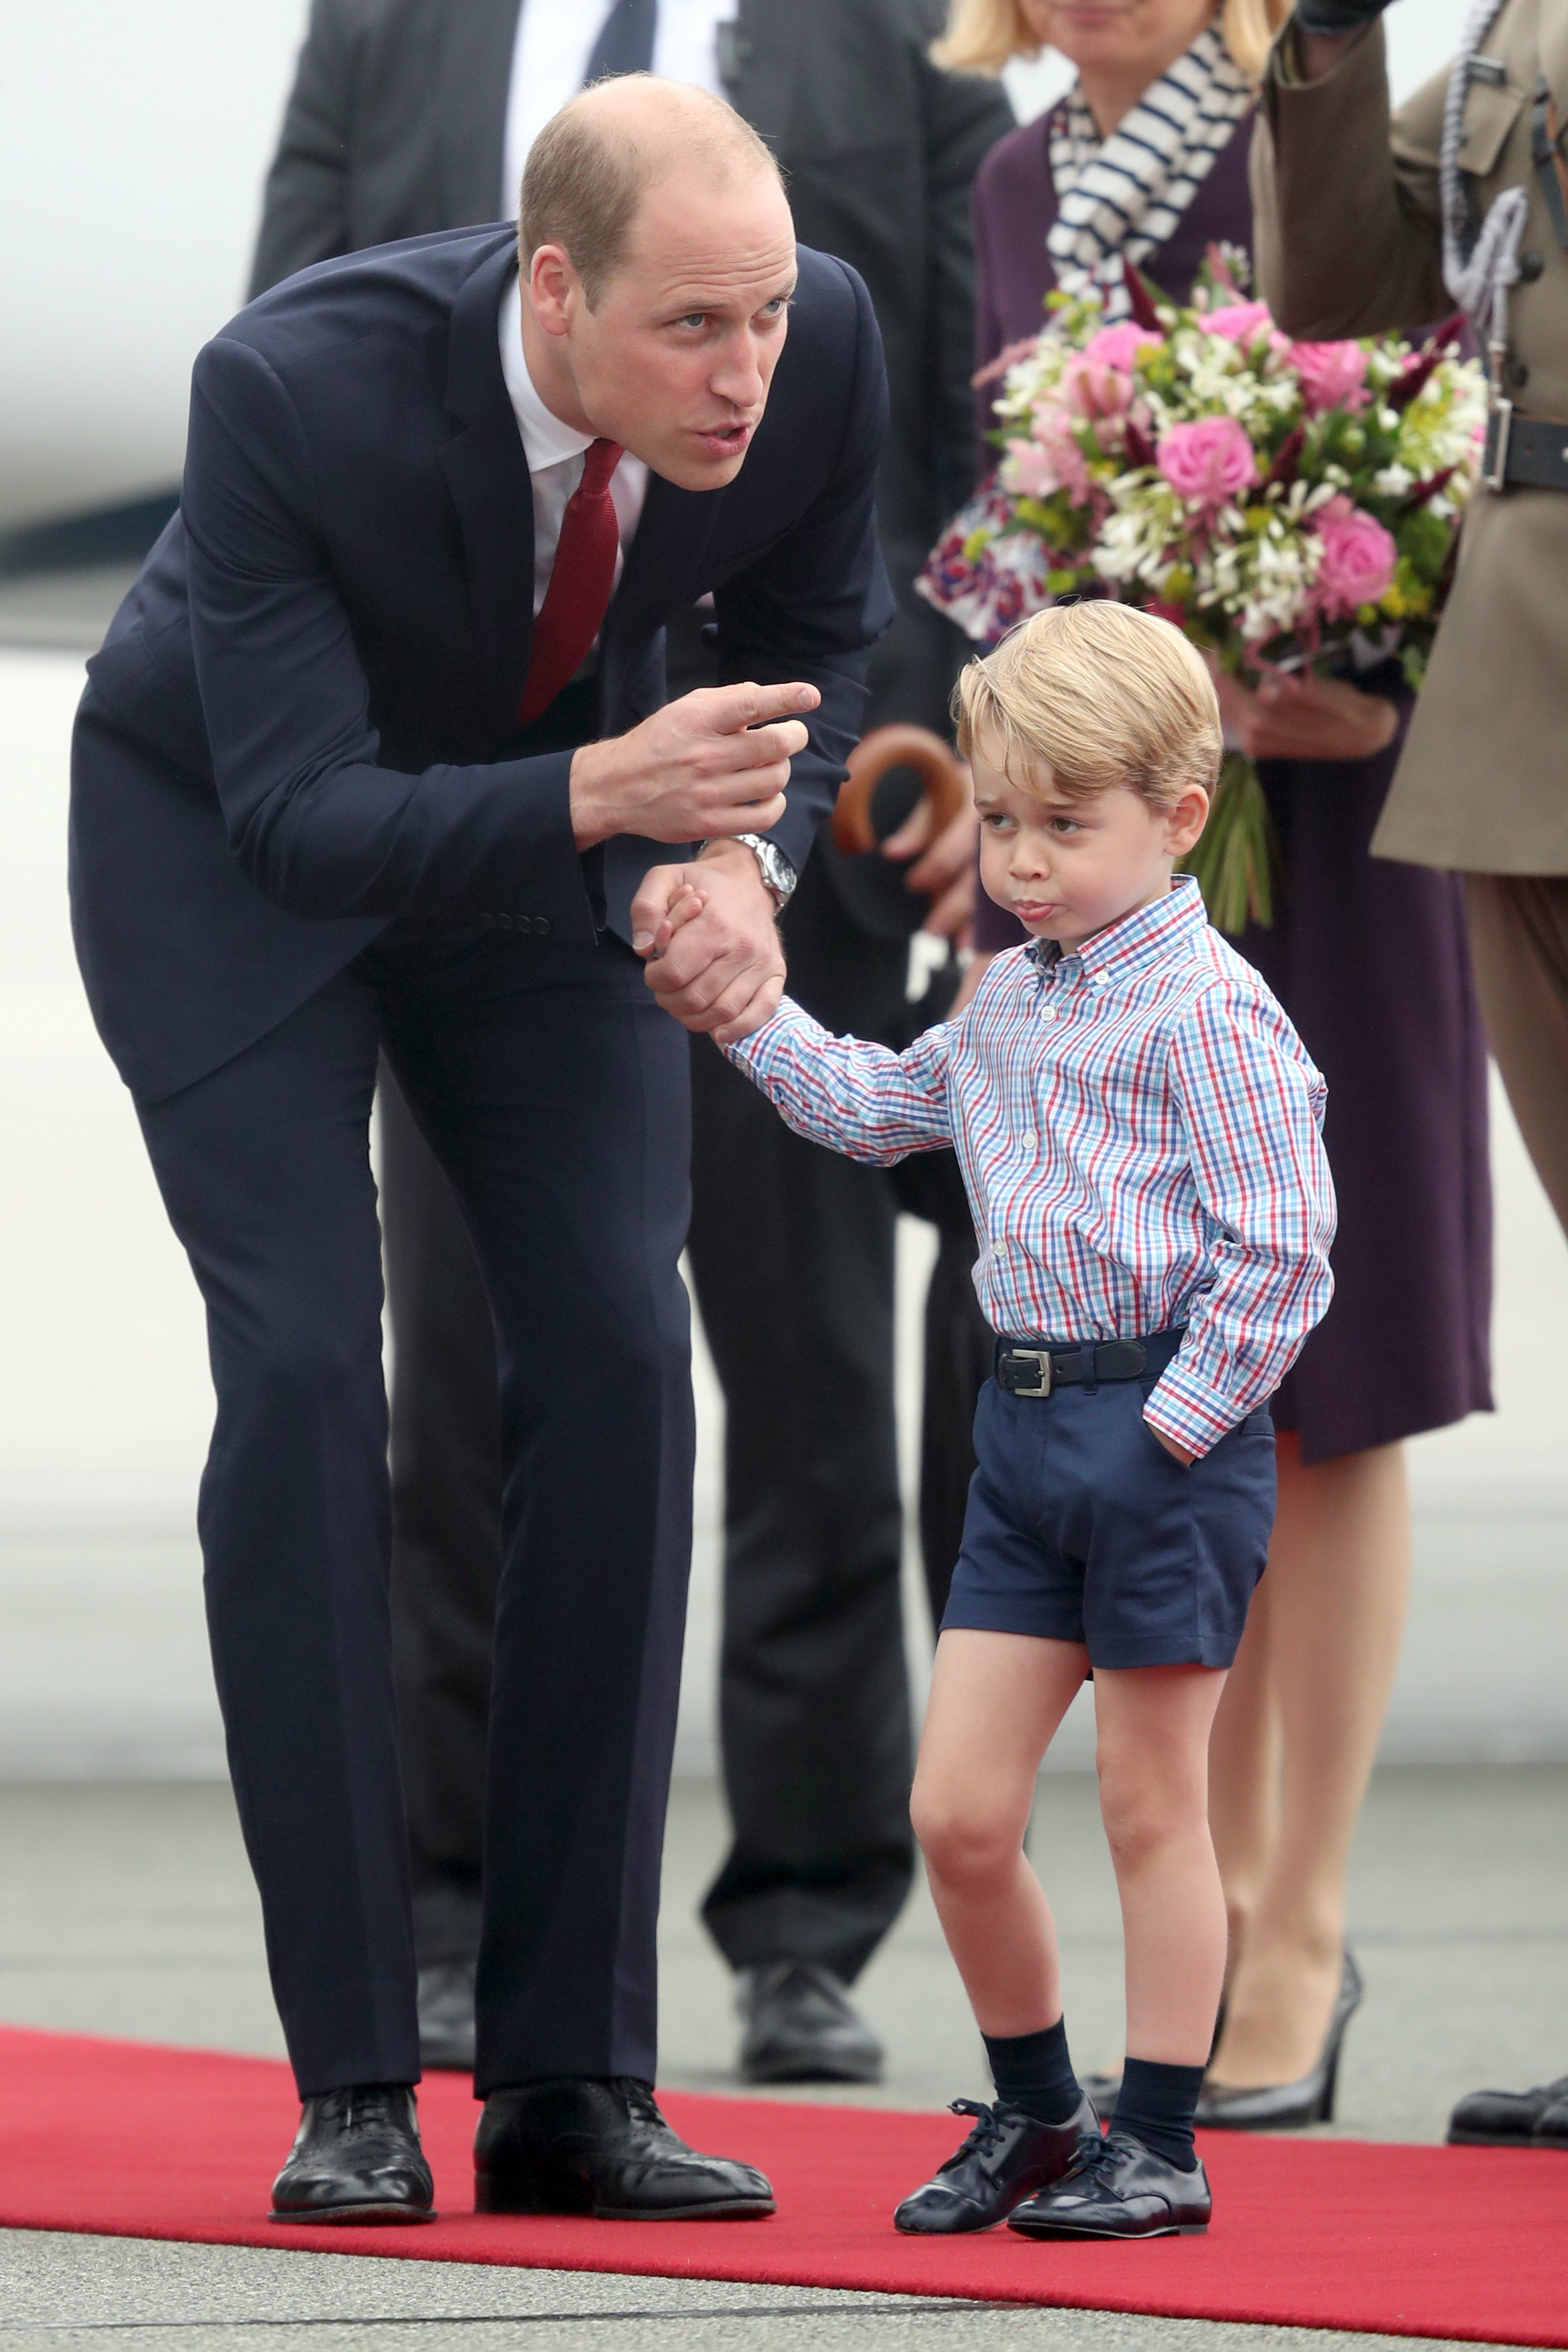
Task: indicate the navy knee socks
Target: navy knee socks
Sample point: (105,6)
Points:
(1033,2071)
(1156,2105)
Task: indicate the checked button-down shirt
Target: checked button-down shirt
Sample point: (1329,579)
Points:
(1139,1129)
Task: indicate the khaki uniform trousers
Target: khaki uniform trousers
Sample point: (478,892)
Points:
(1519,944)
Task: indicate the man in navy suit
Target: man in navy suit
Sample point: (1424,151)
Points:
(374,756)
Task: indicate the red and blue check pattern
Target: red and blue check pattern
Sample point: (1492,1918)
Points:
(1139,1129)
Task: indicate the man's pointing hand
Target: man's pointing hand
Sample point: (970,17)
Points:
(716,762)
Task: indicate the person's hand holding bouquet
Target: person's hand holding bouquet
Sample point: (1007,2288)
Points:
(1302,717)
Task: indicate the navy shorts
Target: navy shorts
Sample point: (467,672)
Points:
(1081,1527)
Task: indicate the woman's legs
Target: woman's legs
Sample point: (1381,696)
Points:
(995,1702)
(1312,1684)
(1154,1726)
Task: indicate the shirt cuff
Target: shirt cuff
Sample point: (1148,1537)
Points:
(1183,1407)
(755,1053)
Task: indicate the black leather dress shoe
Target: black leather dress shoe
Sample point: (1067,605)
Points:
(1008,2156)
(356,2158)
(447,2016)
(586,2145)
(1537,2118)
(1116,2187)
(801,2027)
(1287,2107)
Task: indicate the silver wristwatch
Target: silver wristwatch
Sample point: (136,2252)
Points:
(779,877)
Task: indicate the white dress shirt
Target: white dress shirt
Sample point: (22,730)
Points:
(550,57)
(554,453)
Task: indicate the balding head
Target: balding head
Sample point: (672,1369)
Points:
(592,164)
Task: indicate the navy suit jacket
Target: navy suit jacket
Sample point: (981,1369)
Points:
(325,652)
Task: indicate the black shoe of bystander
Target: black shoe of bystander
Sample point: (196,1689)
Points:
(1537,2118)
(447,2016)
(802,2027)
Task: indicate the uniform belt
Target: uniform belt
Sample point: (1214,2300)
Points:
(1524,452)
(1025,1369)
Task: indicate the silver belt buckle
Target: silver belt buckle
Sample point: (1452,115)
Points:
(1494,458)
(1041,1360)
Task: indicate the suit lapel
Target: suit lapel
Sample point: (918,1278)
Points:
(487,476)
(471,103)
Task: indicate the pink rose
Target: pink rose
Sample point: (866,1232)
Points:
(1208,462)
(1119,346)
(1238,322)
(1357,561)
(1333,376)
(1050,461)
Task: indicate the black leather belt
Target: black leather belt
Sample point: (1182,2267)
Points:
(1030,1371)
(1524,452)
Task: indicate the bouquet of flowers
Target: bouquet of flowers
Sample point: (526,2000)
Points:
(1276,499)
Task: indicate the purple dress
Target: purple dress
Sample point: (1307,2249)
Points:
(1369,958)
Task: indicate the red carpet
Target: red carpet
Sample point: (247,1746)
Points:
(143,2142)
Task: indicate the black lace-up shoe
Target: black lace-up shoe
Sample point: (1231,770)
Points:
(590,2146)
(1008,2156)
(1537,2118)
(1115,2188)
(802,2027)
(356,2158)
(447,2016)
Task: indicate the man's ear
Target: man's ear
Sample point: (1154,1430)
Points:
(554,287)
(1185,819)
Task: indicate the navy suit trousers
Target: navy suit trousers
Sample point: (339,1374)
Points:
(555,1094)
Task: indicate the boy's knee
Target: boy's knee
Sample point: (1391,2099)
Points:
(965,1843)
(1138,1807)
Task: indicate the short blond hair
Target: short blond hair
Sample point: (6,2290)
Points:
(590,167)
(982,34)
(1099,694)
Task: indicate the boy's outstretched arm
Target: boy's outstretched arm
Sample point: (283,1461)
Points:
(862,1099)
(1251,1105)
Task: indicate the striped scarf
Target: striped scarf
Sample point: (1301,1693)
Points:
(1125,194)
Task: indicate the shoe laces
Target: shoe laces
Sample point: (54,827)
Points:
(1093,2156)
(366,2107)
(640,2101)
(984,2135)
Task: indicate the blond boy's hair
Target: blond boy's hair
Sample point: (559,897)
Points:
(1099,694)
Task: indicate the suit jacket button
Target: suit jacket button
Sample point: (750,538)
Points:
(1530,264)
(542,926)
(505,922)
(524,923)
(486,922)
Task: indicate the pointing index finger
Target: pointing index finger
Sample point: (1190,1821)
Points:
(754,706)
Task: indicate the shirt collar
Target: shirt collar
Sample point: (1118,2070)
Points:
(1165,929)
(546,442)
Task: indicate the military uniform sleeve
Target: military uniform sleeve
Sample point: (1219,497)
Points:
(1348,227)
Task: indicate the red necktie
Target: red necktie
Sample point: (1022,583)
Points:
(580,580)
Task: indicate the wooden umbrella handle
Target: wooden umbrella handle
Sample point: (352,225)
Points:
(900,746)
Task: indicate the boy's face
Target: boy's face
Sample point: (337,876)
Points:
(1070,868)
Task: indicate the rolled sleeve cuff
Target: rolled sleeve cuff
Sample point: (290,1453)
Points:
(1186,1410)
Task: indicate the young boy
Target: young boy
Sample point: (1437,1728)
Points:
(1138,1126)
